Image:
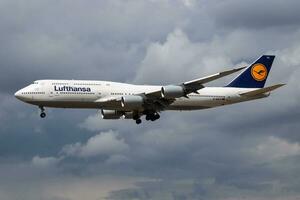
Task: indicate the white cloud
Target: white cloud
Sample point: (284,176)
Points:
(105,143)
(179,59)
(96,123)
(189,3)
(45,162)
(116,159)
(275,148)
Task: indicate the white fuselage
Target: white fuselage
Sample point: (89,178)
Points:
(88,94)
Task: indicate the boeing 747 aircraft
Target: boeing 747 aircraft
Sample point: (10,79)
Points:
(116,100)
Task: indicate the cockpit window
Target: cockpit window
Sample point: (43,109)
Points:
(35,82)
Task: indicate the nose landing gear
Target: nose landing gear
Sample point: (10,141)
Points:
(43,114)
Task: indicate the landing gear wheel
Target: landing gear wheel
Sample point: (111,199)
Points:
(152,116)
(155,116)
(148,117)
(138,121)
(43,115)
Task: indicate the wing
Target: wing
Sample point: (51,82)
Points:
(161,98)
(109,101)
(196,84)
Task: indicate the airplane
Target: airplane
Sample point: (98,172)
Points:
(121,100)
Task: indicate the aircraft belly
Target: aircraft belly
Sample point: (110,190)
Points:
(66,104)
(194,103)
(78,104)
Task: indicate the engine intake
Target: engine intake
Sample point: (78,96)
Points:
(172,91)
(111,114)
(132,102)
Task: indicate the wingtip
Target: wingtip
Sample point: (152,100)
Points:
(281,84)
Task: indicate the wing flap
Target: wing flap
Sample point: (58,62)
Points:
(107,99)
(153,95)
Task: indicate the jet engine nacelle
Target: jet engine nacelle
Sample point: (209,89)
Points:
(132,102)
(110,114)
(128,115)
(172,91)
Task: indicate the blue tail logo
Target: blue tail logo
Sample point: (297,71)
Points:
(255,75)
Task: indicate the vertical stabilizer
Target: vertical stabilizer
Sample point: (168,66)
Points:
(255,75)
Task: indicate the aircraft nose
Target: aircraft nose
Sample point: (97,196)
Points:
(18,94)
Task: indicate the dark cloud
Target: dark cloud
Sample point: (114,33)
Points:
(255,14)
(78,40)
(244,151)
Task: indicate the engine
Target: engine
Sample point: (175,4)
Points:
(128,115)
(111,114)
(172,91)
(132,102)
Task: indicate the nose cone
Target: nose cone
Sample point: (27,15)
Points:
(18,95)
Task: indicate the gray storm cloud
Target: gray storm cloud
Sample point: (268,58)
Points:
(244,151)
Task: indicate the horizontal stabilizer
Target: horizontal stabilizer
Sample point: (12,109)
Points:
(261,91)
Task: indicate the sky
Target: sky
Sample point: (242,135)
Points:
(245,151)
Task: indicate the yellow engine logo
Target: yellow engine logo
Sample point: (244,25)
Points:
(259,72)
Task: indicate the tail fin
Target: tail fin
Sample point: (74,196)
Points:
(255,75)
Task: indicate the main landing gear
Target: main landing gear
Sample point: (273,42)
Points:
(43,114)
(138,121)
(137,118)
(152,116)
(149,116)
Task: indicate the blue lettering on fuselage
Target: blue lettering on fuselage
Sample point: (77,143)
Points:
(71,89)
